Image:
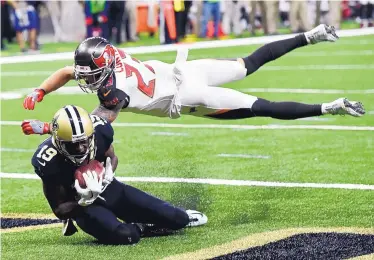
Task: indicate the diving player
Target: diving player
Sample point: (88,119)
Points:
(78,138)
(124,83)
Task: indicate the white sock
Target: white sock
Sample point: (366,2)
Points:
(324,107)
(306,37)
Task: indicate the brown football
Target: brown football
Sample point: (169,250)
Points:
(94,166)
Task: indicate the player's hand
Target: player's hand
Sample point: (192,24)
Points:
(36,96)
(108,174)
(93,190)
(31,127)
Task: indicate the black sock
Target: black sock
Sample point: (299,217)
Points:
(284,110)
(272,51)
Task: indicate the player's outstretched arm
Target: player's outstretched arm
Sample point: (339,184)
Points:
(52,83)
(109,114)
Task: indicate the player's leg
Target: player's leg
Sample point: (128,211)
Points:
(102,224)
(137,206)
(223,103)
(217,72)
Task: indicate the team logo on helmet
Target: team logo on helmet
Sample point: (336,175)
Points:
(106,57)
(55,124)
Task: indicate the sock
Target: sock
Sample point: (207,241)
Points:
(285,110)
(272,51)
(324,108)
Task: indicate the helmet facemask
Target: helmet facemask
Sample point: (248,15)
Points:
(92,80)
(79,150)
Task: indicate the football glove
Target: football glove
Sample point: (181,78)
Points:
(93,190)
(108,174)
(30,127)
(36,96)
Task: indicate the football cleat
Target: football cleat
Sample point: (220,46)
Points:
(343,106)
(68,228)
(196,218)
(322,33)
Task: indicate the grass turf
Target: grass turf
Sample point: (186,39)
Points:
(322,156)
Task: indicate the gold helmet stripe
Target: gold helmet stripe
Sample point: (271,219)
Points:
(75,120)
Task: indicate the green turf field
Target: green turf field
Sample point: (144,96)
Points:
(286,156)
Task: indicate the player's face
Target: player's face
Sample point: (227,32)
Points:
(92,80)
(78,152)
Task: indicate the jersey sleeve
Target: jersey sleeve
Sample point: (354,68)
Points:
(45,163)
(103,131)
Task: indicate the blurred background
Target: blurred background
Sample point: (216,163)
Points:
(50,26)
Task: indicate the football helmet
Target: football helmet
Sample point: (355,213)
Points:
(94,63)
(73,134)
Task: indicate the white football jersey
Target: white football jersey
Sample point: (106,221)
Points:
(150,85)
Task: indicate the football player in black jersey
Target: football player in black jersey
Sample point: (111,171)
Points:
(78,138)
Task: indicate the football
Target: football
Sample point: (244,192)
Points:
(94,166)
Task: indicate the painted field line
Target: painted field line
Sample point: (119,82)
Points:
(320,119)
(320,67)
(216,126)
(174,47)
(17,150)
(266,68)
(247,156)
(169,134)
(75,90)
(308,91)
(30,176)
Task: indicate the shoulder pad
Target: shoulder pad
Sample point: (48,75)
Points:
(103,129)
(45,159)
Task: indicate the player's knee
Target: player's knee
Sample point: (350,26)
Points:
(250,64)
(262,107)
(126,234)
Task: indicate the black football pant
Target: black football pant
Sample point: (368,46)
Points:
(131,206)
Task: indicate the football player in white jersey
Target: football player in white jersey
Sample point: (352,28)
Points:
(124,83)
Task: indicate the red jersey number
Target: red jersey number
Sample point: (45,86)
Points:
(147,89)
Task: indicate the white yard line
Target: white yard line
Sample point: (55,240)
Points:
(169,134)
(321,119)
(31,176)
(265,68)
(247,156)
(308,91)
(223,126)
(75,90)
(174,47)
(320,67)
(17,150)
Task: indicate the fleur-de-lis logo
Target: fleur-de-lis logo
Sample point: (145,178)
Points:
(55,124)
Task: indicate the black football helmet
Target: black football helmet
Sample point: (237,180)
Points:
(94,63)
